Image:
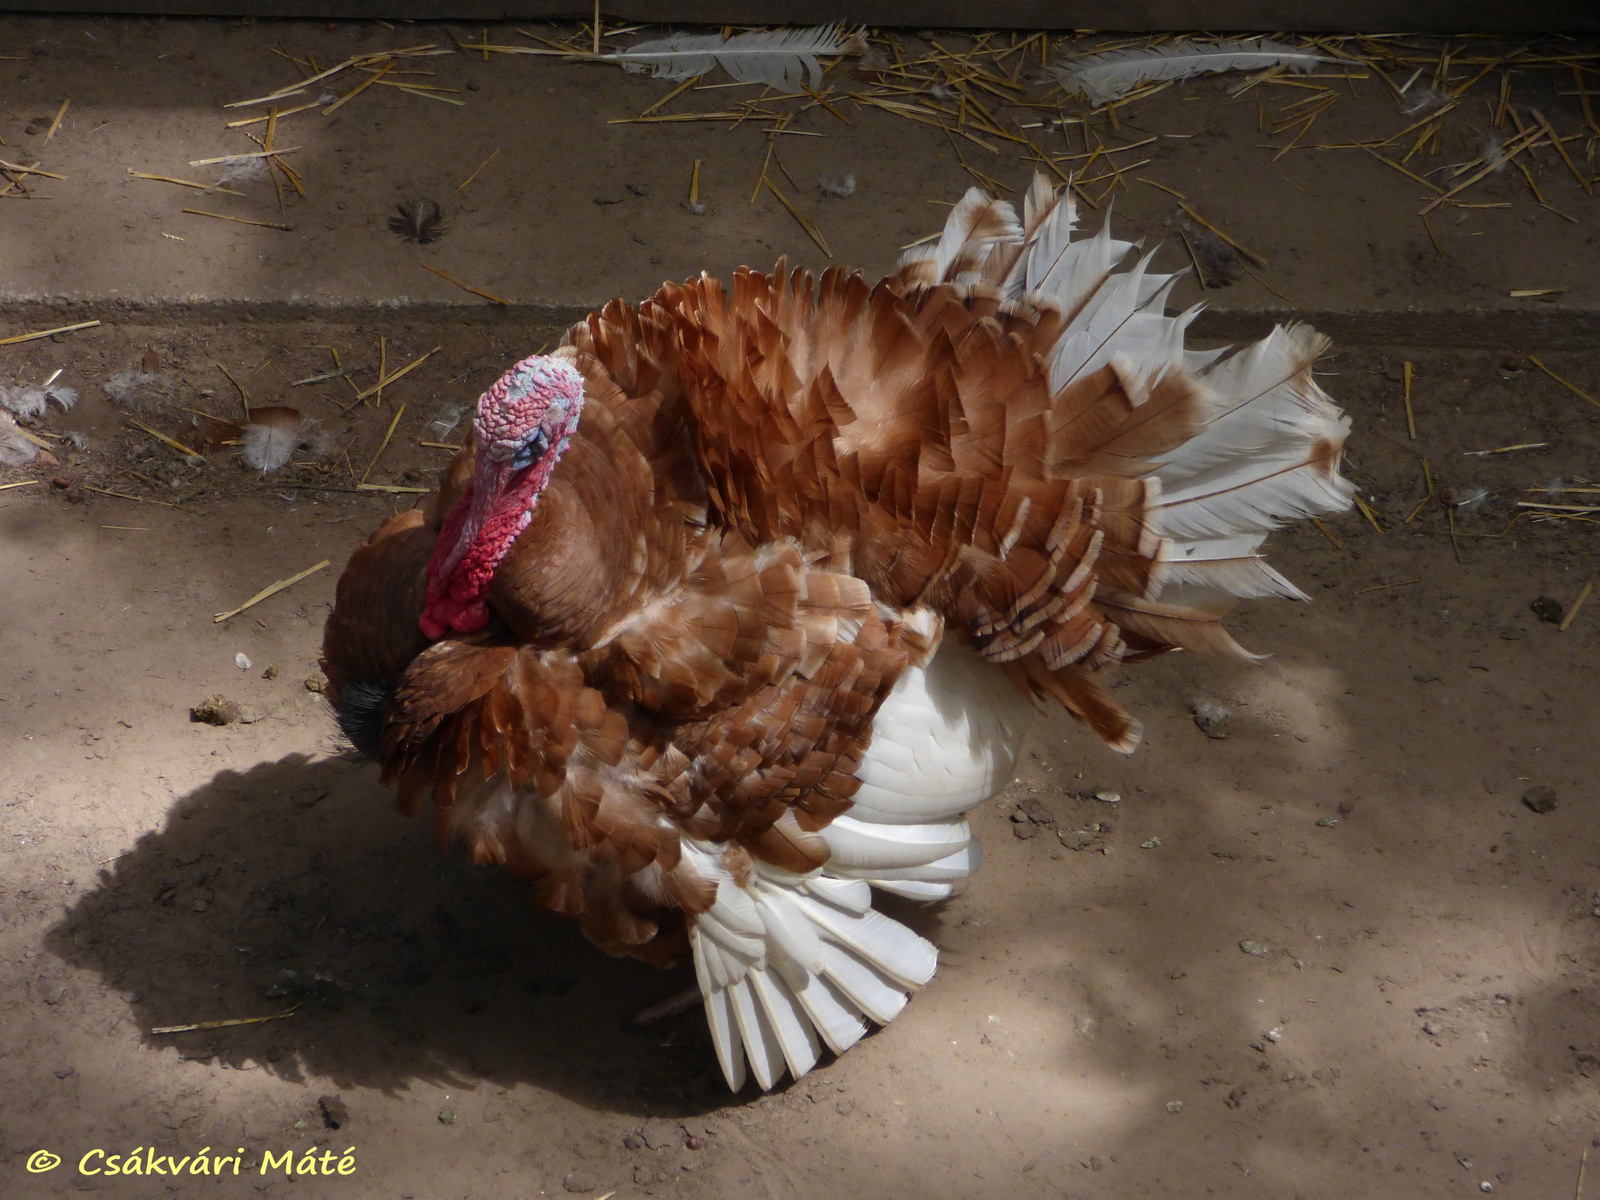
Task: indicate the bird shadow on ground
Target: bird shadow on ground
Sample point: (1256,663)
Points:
(294,887)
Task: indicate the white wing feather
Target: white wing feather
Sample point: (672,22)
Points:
(1111,76)
(779,58)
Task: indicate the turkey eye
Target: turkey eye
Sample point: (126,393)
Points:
(533,448)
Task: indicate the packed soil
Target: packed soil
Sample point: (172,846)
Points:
(1336,944)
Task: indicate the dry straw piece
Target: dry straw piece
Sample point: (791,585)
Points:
(257,599)
(44,333)
(202,1025)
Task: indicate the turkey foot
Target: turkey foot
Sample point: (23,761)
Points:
(680,1002)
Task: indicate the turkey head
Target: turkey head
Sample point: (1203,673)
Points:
(523,425)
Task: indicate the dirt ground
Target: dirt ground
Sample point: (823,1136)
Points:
(1413,1012)
(1332,952)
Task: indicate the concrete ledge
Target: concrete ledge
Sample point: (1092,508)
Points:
(1364,16)
(572,202)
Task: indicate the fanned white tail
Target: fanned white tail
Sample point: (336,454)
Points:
(1268,453)
(789,963)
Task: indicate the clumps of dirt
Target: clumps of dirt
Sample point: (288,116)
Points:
(216,710)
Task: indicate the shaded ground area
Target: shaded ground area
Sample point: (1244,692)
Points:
(1332,952)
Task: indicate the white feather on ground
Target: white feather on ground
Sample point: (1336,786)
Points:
(138,390)
(276,433)
(27,401)
(779,58)
(15,450)
(445,423)
(270,440)
(1110,76)
(240,170)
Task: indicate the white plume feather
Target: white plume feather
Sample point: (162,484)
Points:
(15,448)
(1110,76)
(779,58)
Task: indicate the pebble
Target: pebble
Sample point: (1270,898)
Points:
(242,661)
(1431,1028)
(447,1116)
(1254,948)
(334,1113)
(579,1181)
(1174,1106)
(1210,716)
(1540,798)
(1109,797)
(1547,609)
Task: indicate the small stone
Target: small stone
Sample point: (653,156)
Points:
(1513,633)
(1076,839)
(1254,948)
(579,1181)
(844,1106)
(638,189)
(1024,830)
(270,673)
(1431,1028)
(242,661)
(1153,844)
(1210,717)
(1547,609)
(1486,1186)
(317,683)
(1174,1106)
(1437,1105)
(633,1142)
(1328,822)
(215,710)
(1274,1034)
(1540,799)
(691,1142)
(1108,797)
(334,1113)
(62,1072)
(447,1116)
(1426,676)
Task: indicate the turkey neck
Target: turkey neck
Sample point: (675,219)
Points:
(562,574)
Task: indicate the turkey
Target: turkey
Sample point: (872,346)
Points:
(733,605)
